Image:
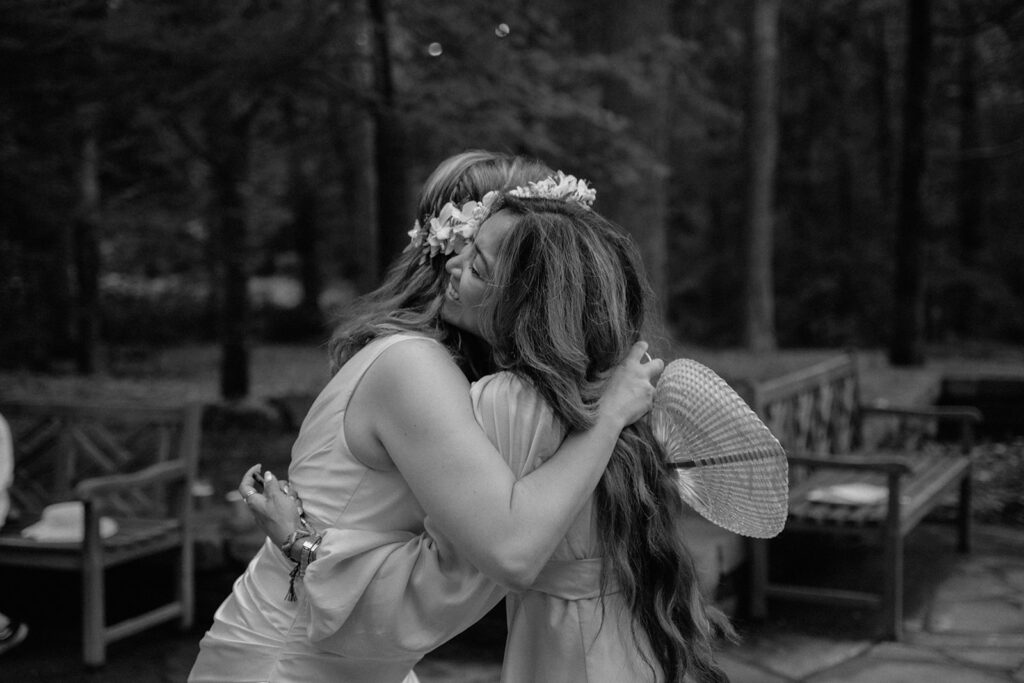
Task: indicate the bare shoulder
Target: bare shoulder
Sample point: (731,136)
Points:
(414,367)
(414,403)
(409,387)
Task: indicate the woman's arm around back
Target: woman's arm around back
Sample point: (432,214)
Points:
(418,407)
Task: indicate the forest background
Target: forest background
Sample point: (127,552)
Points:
(808,173)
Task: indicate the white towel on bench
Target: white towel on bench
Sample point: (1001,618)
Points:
(65,523)
(857,493)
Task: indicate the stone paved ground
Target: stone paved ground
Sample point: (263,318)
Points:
(965,624)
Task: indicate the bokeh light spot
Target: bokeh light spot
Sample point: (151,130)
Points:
(435,49)
(501,30)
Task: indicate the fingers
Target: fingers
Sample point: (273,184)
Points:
(636,353)
(272,486)
(652,367)
(655,368)
(246,488)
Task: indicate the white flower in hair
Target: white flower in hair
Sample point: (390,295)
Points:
(416,236)
(452,228)
(560,186)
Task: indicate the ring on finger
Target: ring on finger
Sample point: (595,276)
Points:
(249,494)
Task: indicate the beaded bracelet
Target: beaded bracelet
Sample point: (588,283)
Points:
(308,553)
(288,544)
(316,546)
(301,554)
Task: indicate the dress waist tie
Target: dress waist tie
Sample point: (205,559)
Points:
(573,579)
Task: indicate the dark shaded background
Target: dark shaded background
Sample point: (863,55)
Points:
(807,173)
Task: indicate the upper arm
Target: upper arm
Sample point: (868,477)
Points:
(517,420)
(423,418)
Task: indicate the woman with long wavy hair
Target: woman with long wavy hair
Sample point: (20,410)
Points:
(587,303)
(559,295)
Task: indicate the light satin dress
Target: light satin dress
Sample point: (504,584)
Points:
(387,587)
(376,617)
(559,631)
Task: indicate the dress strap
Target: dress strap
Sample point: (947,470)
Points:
(372,351)
(351,374)
(334,399)
(573,579)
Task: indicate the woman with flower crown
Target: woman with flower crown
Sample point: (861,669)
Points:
(391,440)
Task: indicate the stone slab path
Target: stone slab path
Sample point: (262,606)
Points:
(969,630)
(966,626)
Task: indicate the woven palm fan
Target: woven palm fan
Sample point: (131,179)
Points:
(731,469)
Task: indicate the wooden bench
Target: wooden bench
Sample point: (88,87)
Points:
(134,464)
(817,415)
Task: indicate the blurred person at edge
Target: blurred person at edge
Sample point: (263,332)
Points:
(12,632)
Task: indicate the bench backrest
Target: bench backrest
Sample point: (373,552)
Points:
(57,445)
(813,410)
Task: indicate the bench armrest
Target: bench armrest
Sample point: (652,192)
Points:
(966,416)
(843,462)
(93,487)
(955,413)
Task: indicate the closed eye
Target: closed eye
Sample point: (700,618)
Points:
(472,265)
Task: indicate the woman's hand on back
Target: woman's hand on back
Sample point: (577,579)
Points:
(629,393)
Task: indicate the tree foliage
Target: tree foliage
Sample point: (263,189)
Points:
(235,140)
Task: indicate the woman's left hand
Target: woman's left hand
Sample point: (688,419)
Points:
(629,392)
(277,509)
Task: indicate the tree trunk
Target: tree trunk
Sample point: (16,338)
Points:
(87,253)
(844,64)
(971,167)
(358,239)
(762,159)
(229,141)
(971,178)
(907,344)
(354,142)
(638,200)
(61,282)
(234,313)
(306,239)
(306,236)
(394,207)
(880,83)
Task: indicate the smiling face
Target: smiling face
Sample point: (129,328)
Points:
(471,273)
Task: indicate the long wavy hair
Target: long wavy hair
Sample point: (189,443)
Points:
(569,299)
(411,296)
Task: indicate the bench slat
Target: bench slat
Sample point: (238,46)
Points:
(931,476)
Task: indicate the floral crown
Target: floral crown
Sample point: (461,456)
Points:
(454,226)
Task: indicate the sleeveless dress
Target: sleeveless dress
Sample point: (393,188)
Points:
(345,633)
(561,630)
